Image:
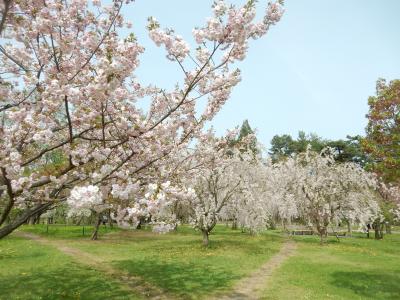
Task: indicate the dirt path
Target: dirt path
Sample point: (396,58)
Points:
(130,283)
(251,287)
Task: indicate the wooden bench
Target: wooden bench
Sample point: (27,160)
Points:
(302,232)
(340,233)
(310,232)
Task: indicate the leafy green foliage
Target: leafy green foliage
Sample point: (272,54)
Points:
(383,131)
(348,150)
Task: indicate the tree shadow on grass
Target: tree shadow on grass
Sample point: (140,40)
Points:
(188,280)
(374,285)
(249,247)
(217,246)
(69,282)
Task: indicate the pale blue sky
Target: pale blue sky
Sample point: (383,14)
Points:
(313,71)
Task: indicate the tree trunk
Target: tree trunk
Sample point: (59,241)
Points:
(378,227)
(234,224)
(139,225)
(381,228)
(323,233)
(31,220)
(110,221)
(205,238)
(283,224)
(37,218)
(6,230)
(388,228)
(95,234)
(79,221)
(321,238)
(6,211)
(273,224)
(377,233)
(349,228)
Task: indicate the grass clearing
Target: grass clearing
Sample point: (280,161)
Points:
(355,268)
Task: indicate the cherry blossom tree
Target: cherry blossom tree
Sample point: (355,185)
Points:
(323,192)
(85,200)
(212,174)
(254,208)
(225,183)
(69,88)
(389,202)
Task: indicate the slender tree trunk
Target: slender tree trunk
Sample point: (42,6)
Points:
(283,225)
(37,218)
(139,225)
(95,234)
(388,228)
(381,228)
(79,220)
(6,230)
(205,238)
(234,224)
(349,228)
(6,211)
(273,223)
(322,233)
(110,221)
(377,233)
(378,227)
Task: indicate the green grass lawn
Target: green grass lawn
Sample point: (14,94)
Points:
(355,268)
(29,270)
(177,262)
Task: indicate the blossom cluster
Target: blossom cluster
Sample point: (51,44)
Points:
(85,199)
